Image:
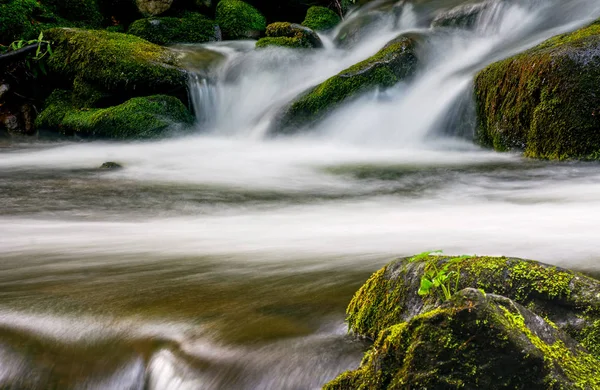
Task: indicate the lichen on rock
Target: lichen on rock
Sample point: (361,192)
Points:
(474,341)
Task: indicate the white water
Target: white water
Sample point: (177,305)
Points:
(91,257)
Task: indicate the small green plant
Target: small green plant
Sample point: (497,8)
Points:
(35,62)
(439,279)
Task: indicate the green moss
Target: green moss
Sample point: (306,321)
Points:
(144,117)
(395,62)
(23,19)
(84,12)
(189,28)
(579,367)
(591,338)
(282,41)
(473,341)
(239,20)
(115,62)
(320,18)
(544,100)
(289,35)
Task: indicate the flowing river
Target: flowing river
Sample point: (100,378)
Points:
(224,259)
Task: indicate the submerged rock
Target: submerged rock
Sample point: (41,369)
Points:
(320,18)
(544,101)
(116,63)
(142,117)
(395,62)
(474,341)
(110,165)
(189,28)
(290,35)
(239,20)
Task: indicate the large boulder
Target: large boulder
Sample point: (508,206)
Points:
(289,35)
(239,20)
(395,62)
(464,16)
(189,28)
(119,64)
(568,299)
(142,117)
(544,101)
(474,341)
(320,18)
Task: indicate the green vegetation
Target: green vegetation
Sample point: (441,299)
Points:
(115,62)
(84,12)
(239,20)
(36,62)
(395,62)
(320,18)
(440,279)
(544,100)
(475,340)
(289,35)
(189,28)
(143,117)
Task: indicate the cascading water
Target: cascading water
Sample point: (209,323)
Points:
(224,259)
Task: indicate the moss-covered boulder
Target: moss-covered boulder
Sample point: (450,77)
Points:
(289,35)
(474,341)
(568,299)
(395,62)
(25,19)
(189,28)
(320,18)
(116,63)
(544,101)
(142,117)
(239,20)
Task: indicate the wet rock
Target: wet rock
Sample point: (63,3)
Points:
(4,88)
(358,28)
(569,299)
(142,117)
(395,62)
(153,7)
(474,341)
(290,35)
(28,119)
(239,20)
(464,16)
(189,28)
(111,165)
(11,123)
(544,101)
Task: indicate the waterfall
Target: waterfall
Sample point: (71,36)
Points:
(255,85)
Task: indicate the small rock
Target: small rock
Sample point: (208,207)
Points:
(111,165)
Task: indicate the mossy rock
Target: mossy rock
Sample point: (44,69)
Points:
(474,341)
(24,19)
(395,62)
(320,18)
(85,12)
(544,101)
(137,118)
(189,28)
(116,63)
(239,20)
(289,35)
(569,299)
